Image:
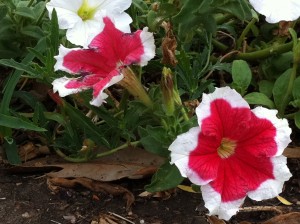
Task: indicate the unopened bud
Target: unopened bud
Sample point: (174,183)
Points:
(167,88)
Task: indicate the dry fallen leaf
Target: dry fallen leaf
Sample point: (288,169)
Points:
(187,188)
(283,200)
(133,163)
(289,218)
(95,186)
(30,151)
(215,220)
(292,152)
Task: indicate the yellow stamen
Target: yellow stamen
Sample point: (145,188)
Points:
(226,148)
(86,12)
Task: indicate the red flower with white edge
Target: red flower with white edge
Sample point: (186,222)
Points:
(101,65)
(235,152)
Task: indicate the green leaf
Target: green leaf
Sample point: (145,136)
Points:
(33,31)
(10,87)
(167,177)
(155,140)
(257,98)
(54,32)
(84,122)
(280,91)
(25,12)
(266,87)
(194,13)
(19,66)
(296,88)
(297,119)
(241,75)
(3,11)
(18,123)
(11,151)
(238,8)
(140,5)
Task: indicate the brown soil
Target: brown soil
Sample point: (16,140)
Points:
(27,199)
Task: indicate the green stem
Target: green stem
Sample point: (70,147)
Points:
(70,159)
(84,159)
(30,3)
(244,33)
(117,149)
(184,114)
(262,54)
(219,45)
(258,55)
(221,18)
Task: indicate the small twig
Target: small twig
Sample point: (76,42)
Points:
(221,59)
(121,217)
(55,222)
(261,208)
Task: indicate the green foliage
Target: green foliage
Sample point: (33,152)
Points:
(168,176)
(241,75)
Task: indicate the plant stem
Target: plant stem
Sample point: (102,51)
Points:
(117,149)
(30,3)
(262,54)
(244,33)
(85,159)
(70,159)
(258,55)
(219,45)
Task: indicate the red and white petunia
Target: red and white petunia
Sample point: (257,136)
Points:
(83,19)
(277,10)
(235,152)
(101,65)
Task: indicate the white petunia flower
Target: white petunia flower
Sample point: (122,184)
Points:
(277,10)
(83,19)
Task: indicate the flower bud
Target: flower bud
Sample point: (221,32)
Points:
(167,88)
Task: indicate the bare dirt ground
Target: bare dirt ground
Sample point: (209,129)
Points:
(26,199)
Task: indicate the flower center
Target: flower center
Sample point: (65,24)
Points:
(226,148)
(86,12)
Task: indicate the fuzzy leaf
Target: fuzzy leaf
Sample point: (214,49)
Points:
(280,93)
(257,98)
(241,75)
(167,177)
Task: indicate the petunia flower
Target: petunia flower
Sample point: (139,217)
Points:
(277,10)
(235,152)
(105,63)
(83,19)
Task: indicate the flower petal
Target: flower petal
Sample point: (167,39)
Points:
(225,93)
(273,187)
(136,48)
(112,7)
(212,199)
(276,11)
(99,95)
(60,86)
(66,12)
(180,149)
(283,131)
(148,45)
(62,52)
(122,21)
(83,32)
